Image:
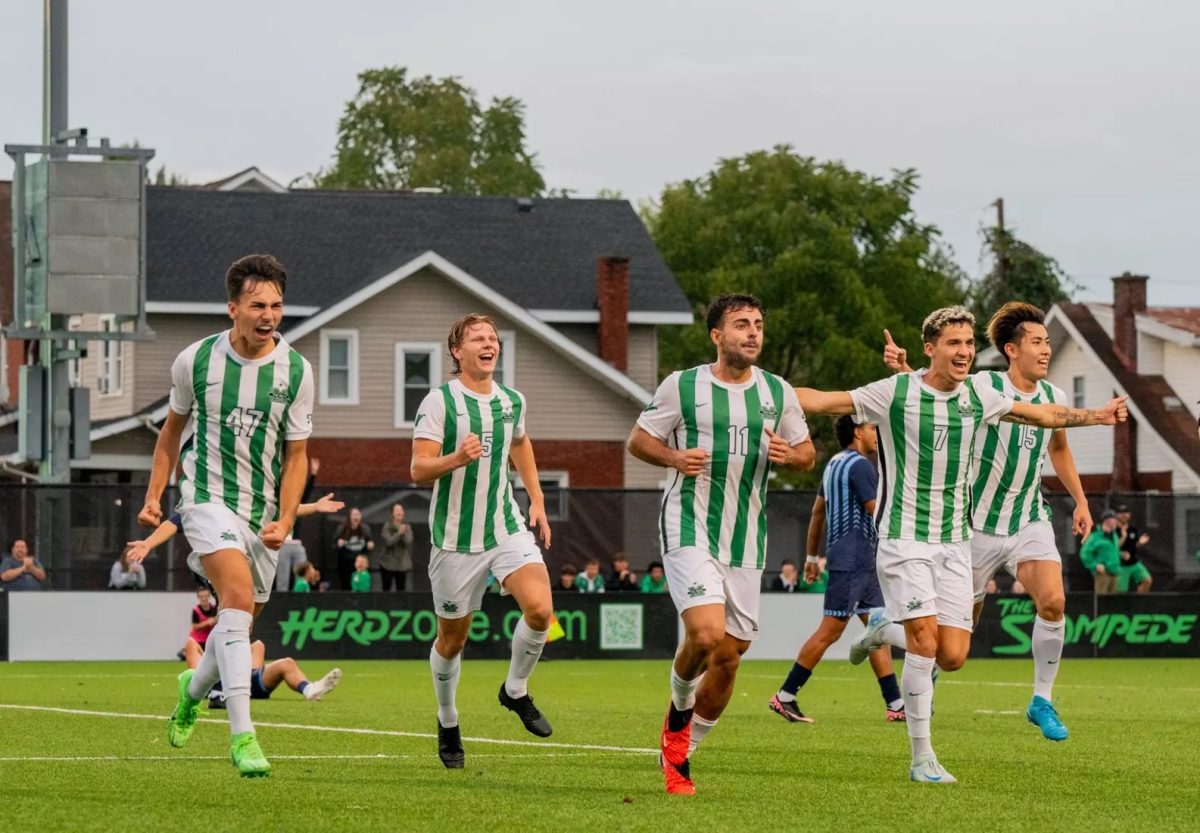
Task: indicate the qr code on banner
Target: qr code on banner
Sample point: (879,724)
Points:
(620,627)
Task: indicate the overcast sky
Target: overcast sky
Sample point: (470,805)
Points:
(1083,114)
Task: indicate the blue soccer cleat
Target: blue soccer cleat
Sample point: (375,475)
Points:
(1041,713)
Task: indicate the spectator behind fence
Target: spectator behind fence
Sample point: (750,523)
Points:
(1101,555)
(590,580)
(655,580)
(396,561)
(360,582)
(353,537)
(127,576)
(204,616)
(1133,573)
(621,578)
(566,578)
(19,570)
(291,555)
(308,578)
(788,579)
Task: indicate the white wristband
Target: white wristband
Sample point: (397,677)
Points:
(813,559)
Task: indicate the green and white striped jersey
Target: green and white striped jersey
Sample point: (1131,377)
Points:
(473,506)
(1006,494)
(926,442)
(723,510)
(243,411)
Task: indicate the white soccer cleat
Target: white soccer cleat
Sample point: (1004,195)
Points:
(871,638)
(926,770)
(323,686)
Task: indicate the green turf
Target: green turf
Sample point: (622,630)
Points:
(1130,763)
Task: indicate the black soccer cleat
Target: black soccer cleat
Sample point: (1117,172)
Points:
(450,748)
(535,722)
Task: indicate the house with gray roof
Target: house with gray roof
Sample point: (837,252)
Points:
(374,281)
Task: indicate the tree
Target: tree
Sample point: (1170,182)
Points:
(834,254)
(399,132)
(1019,272)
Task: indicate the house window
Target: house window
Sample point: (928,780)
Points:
(112,360)
(506,370)
(339,367)
(554,490)
(1078,391)
(418,370)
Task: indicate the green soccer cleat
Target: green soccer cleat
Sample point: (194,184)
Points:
(248,756)
(1041,713)
(183,719)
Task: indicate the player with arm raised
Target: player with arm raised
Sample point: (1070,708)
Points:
(928,422)
(721,427)
(248,397)
(465,433)
(1010,521)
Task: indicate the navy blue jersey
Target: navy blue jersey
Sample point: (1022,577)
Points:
(848,483)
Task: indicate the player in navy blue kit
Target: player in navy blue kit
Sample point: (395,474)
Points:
(843,514)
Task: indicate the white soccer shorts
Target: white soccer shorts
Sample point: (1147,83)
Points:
(990,553)
(459,579)
(920,579)
(210,527)
(695,578)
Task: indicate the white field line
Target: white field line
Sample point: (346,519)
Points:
(341,730)
(993,711)
(380,756)
(996,683)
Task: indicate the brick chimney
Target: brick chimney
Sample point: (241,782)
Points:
(1129,300)
(612,297)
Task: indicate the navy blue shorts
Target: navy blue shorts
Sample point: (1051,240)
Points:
(258,691)
(851,592)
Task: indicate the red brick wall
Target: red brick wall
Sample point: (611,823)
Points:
(612,297)
(367,462)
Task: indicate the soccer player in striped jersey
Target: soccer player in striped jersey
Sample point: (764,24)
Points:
(248,397)
(722,427)
(928,422)
(1010,521)
(841,515)
(465,433)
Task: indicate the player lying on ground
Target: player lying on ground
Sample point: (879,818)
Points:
(266,676)
(1010,521)
(721,427)
(844,506)
(464,435)
(928,422)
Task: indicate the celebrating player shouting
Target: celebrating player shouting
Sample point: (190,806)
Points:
(721,427)
(1010,520)
(928,422)
(465,432)
(249,398)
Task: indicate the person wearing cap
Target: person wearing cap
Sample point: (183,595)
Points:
(1101,555)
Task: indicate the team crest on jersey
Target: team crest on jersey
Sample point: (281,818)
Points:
(279,393)
(228,536)
(507,415)
(965,408)
(768,412)
(915,604)
(696,590)
(449,607)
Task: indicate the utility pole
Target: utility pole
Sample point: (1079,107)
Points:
(1000,247)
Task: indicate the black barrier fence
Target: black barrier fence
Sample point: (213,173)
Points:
(79,531)
(1127,625)
(3,627)
(404,626)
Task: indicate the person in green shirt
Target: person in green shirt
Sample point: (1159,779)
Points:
(655,580)
(308,577)
(590,580)
(360,581)
(1101,555)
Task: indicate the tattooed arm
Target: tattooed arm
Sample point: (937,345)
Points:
(1060,416)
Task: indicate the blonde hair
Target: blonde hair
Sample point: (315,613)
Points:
(940,319)
(458,331)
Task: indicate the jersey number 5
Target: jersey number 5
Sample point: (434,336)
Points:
(244,421)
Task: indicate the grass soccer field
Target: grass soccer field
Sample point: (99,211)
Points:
(83,747)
